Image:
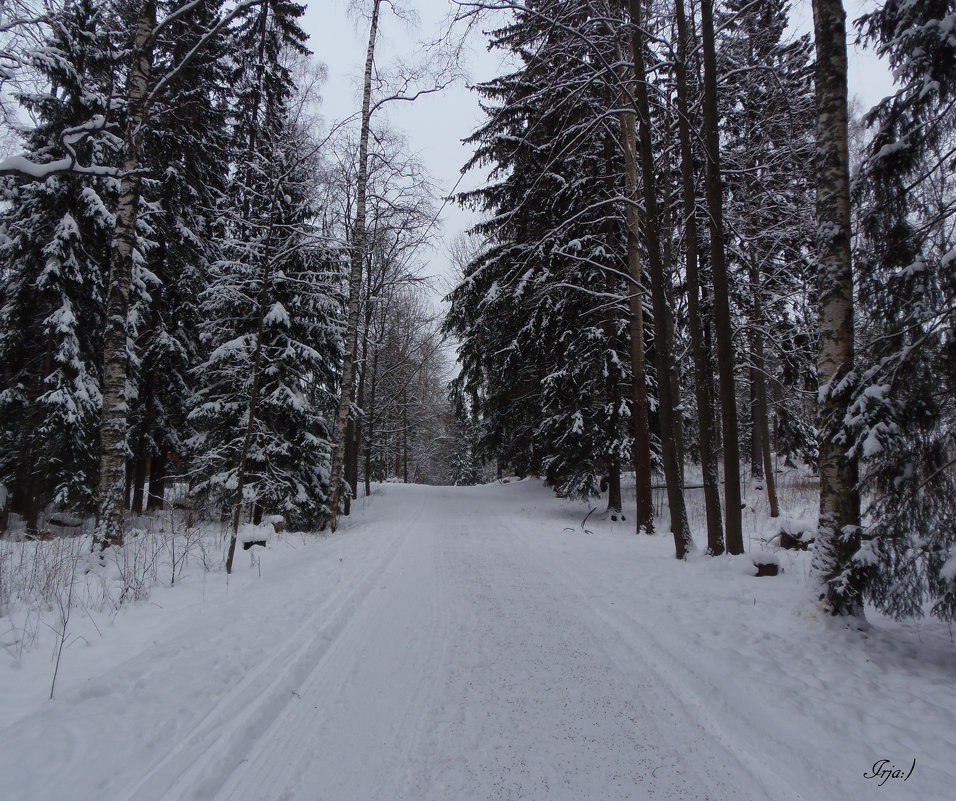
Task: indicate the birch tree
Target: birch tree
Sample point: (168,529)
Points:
(838,540)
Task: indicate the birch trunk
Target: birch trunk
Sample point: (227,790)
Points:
(112,483)
(839,524)
(355,283)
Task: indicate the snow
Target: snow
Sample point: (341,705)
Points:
(249,532)
(472,643)
(948,571)
(277,316)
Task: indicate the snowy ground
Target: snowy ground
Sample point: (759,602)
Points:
(463,644)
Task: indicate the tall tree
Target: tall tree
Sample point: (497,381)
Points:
(667,409)
(703,381)
(539,314)
(183,196)
(725,348)
(902,416)
(766,155)
(644,520)
(270,312)
(56,235)
(838,541)
(357,250)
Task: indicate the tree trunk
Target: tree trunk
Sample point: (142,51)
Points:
(725,347)
(404,436)
(838,539)
(674,372)
(614,503)
(612,386)
(139,483)
(253,394)
(112,483)
(157,482)
(635,297)
(667,412)
(759,387)
(357,425)
(140,456)
(703,380)
(371,425)
(756,446)
(355,281)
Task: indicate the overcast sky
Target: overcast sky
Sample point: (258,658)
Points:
(435,124)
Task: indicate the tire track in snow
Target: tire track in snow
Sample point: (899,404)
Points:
(204,758)
(646,660)
(357,716)
(535,708)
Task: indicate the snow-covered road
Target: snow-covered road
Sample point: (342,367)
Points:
(449,645)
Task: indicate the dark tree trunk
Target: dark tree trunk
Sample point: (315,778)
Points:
(756,446)
(703,379)
(674,373)
(759,386)
(351,457)
(157,482)
(640,415)
(652,241)
(614,502)
(613,389)
(140,454)
(128,489)
(725,347)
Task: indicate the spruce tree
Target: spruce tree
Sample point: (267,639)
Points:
(184,191)
(767,152)
(55,243)
(902,420)
(271,310)
(540,314)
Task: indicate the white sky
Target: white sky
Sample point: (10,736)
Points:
(435,124)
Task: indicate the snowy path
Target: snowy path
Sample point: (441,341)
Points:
(441,650)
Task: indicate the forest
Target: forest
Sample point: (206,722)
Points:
(695,260)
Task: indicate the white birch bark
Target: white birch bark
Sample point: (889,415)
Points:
(839,523)
(355,283)
(112,484)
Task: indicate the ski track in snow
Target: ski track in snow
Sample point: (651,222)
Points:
(439,650)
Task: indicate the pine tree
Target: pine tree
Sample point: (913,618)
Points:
(270,319)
